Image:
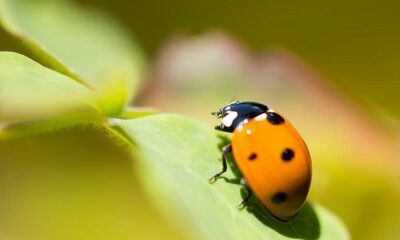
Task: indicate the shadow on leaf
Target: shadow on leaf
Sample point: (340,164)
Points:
(304,226)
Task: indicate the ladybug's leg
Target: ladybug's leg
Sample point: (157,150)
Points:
(243,203)
(225,150)
(218,127)
(222,128)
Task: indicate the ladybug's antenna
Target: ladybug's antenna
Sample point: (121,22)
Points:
(233,99)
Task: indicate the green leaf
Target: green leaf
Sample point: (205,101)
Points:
(86,45)
(30,92)
(178,155)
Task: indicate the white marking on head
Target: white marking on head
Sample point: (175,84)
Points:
(261,117)
(271,110)
(248,131)
(229,118)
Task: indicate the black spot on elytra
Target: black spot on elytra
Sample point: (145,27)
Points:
(252,156)
(279,197)
(287,154)
(275,118)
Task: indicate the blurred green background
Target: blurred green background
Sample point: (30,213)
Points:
(336,61)
(354,44)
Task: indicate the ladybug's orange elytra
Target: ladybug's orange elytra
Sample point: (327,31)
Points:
(270,154)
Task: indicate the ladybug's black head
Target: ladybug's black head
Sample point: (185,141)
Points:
(236,113)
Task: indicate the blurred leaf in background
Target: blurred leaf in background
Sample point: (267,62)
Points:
(83,44)
(87,45)
(21,81)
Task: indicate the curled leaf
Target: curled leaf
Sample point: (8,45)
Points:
(86,45)
(31,93)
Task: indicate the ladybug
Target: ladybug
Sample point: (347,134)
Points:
(270,154)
